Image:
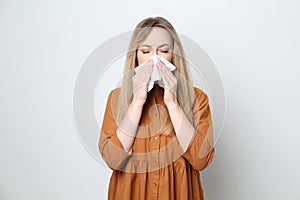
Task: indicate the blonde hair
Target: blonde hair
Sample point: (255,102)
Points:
(185,89)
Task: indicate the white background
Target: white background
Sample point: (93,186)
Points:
(254,44)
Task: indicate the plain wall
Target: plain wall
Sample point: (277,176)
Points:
(254,45)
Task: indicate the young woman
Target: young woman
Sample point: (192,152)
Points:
(156,141)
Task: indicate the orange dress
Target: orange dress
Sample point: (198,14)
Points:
(156,167)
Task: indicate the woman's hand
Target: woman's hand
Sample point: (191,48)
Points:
(170,83)
(140,82)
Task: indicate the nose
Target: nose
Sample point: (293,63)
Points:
(151,53)
(155,51)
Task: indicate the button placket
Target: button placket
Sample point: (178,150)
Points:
(155,184)
(155,145)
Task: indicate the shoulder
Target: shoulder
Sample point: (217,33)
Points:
(114,92)
(199,93)
(113,97)
(201,99)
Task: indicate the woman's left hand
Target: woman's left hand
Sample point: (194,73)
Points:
(170,83)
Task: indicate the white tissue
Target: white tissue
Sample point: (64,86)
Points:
(155,74)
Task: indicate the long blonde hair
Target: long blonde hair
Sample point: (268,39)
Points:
(185,89)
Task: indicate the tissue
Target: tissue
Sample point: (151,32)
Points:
(155,74)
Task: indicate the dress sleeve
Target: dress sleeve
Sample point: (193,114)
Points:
(110,147)
(200,152)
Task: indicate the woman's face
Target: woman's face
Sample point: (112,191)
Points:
(158,42)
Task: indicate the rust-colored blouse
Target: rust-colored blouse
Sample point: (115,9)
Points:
(156,167)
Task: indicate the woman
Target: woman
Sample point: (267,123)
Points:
(156,141)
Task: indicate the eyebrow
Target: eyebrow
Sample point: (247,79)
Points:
(147,45)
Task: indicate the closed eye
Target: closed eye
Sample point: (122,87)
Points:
(164,50)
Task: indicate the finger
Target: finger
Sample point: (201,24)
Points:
(148,64)
(147,74)
(169,79)
(142,79)
(144,67)
(166,82)
(164,72)
(169,75)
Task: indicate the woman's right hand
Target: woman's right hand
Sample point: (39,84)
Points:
(140,82)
